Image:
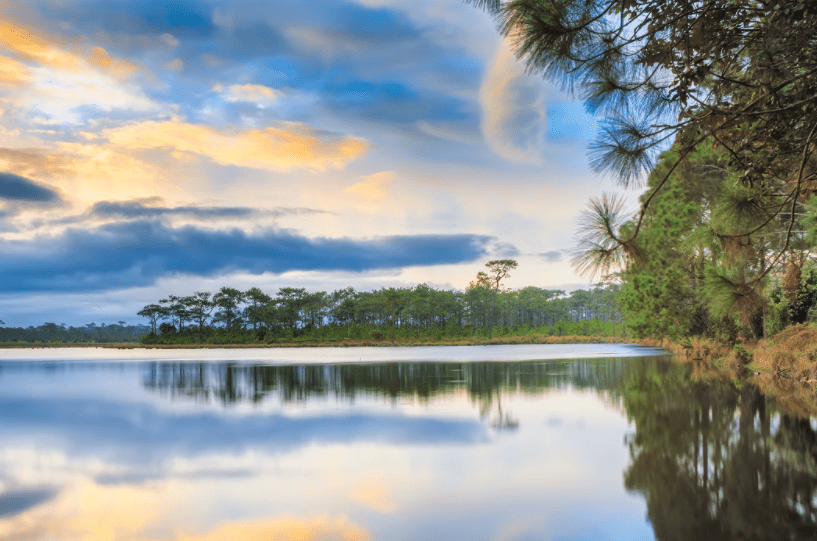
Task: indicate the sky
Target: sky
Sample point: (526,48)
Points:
(150,148)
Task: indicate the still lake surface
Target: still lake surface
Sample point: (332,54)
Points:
(499,443)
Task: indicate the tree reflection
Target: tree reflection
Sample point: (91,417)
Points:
(232,383)
(712,460)
(715,462)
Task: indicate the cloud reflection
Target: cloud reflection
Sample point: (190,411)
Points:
(316,529)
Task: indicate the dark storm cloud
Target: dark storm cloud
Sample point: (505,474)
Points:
(137,253)
(16,188)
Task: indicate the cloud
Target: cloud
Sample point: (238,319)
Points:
(260,95)
(30,46)
(14,502)
(67,97)
(552,257)
(137,253)
(514,120)
(60,79)
(504,249)
(35,162)
(318,529)
(151,209)
(13,74)
(294,146)
(17,188)
(372,186)
(169,40)
(174,65)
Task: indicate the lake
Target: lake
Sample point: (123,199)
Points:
(495,443)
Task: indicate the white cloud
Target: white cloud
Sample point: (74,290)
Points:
(514,121)
(262,96)
(169,40)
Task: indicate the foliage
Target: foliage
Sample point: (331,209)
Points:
(416,314)
(726,84)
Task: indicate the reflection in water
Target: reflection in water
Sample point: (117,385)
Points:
(232,383)
(716,462)
(171,451)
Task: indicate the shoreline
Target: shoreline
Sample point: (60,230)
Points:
(784,367)
(510,340)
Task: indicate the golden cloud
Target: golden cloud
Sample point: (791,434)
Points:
(35,163)
(296,147)
(33,47)
(55,78)
(251,93)
(90,171)
(13,73)
(101,171)
(372,187)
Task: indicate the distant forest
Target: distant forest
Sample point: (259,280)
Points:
(410,314)
(90,333)
(405,314)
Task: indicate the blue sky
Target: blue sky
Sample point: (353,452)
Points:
(150,148)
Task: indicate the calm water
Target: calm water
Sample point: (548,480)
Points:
(599,442)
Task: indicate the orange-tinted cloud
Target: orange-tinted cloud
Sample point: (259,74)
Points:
(36,163)
(295,146)
(373,186)
(54,78)
(30,46)
(259,94)
(13,73)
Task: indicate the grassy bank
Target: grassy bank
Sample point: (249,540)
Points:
(346,342)
(783,367)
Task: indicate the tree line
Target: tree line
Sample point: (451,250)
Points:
(484,309)
(61,333)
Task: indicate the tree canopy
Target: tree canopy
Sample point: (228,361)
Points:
(731,79)
(739,74)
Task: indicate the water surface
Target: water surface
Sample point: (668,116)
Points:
(476,443)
